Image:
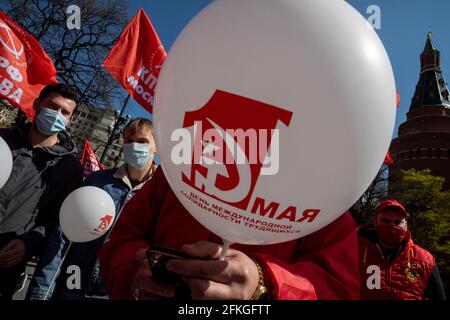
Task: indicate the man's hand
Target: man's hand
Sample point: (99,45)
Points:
(234,278)
(145,287)
(12,253)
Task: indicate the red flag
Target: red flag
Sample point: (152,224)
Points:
(25,68)
(388,159)
(136,59)
(89,160)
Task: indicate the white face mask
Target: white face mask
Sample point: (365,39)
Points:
(136,155)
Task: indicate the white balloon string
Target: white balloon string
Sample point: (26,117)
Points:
(57,271)
(226,246)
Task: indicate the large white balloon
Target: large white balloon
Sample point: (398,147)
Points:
(313,70)
(6,162)
(86,214)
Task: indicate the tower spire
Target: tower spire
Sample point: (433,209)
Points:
(429,45)
(431,90)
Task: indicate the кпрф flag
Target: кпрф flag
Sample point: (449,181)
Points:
(136,59)
(25,68)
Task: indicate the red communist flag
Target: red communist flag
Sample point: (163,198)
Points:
(136,59)
(25,68)
(89,160)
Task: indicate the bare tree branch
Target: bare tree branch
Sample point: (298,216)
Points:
(77,54)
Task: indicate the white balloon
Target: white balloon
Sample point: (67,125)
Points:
(6,162)
(86,214)
(314,70)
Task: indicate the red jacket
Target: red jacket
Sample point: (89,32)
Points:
(406,278)
(323,265)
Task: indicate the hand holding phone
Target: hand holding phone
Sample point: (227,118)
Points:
(157,257)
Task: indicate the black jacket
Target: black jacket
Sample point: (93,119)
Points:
(40,180)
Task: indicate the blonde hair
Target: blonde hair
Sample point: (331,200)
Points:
(137,124)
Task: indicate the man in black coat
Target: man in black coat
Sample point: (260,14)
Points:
(45,171)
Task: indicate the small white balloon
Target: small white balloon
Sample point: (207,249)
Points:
(86,214)
(6,162)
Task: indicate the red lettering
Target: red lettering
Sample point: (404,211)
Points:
(289,213)
(271,208)
(309,214)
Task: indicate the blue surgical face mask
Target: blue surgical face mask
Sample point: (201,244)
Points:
(136,155)
(49,121)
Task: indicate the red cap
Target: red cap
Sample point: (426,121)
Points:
(391,204)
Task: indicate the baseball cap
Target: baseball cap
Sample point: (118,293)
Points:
(391,204)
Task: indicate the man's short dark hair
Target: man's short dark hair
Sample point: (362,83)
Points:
(67,91)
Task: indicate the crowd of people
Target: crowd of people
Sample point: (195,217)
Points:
(340,261)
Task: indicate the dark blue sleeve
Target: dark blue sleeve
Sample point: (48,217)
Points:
(435,290)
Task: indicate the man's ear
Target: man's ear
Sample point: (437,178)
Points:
(37,105)
(73,113)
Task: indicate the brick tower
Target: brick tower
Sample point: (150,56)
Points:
(424,138)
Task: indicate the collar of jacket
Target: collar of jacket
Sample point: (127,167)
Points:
(64,146)
(122,174)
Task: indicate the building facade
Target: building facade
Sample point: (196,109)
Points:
(423,140)
(95,125)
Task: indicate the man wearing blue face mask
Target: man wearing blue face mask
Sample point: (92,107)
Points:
(44,172)
(121,184)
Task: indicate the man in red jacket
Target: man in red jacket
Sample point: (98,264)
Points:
(323,265)
(392,266)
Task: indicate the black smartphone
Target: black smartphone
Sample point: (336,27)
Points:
(157,257)
(156,250)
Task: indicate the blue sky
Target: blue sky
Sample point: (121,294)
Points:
(404,25)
